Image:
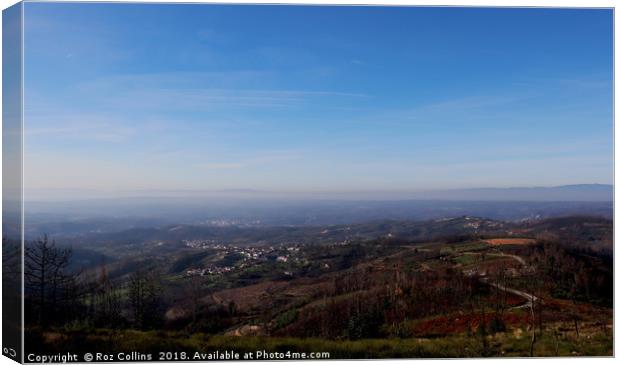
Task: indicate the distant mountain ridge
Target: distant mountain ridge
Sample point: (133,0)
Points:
(41,199)
(580,192)
(83,217)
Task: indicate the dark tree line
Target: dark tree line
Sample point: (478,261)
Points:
(574,273)
(55,295)
(376,304)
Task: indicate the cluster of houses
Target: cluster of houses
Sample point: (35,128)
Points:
(282,254)
(203,244)
(222,222)
(213,270)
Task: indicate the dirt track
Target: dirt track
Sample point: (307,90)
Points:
(527,296)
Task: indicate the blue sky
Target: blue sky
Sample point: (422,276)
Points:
(199,97)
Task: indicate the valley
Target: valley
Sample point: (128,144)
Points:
(536,288)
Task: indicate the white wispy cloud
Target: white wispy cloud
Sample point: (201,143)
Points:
(200,91)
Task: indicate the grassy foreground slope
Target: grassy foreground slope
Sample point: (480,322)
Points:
(455,346)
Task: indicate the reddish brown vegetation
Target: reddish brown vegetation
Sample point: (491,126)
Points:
(460,323)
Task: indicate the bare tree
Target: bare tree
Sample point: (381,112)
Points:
(144,299)
(107,300)
(47,280)
(195,291)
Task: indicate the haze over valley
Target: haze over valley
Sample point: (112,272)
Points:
(257,209)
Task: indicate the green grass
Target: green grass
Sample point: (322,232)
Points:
(467,259)
(463,247)
(549,345)
(455,346)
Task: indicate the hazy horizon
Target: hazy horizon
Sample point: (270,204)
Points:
(66,195)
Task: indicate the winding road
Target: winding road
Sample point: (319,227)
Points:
(527,296)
